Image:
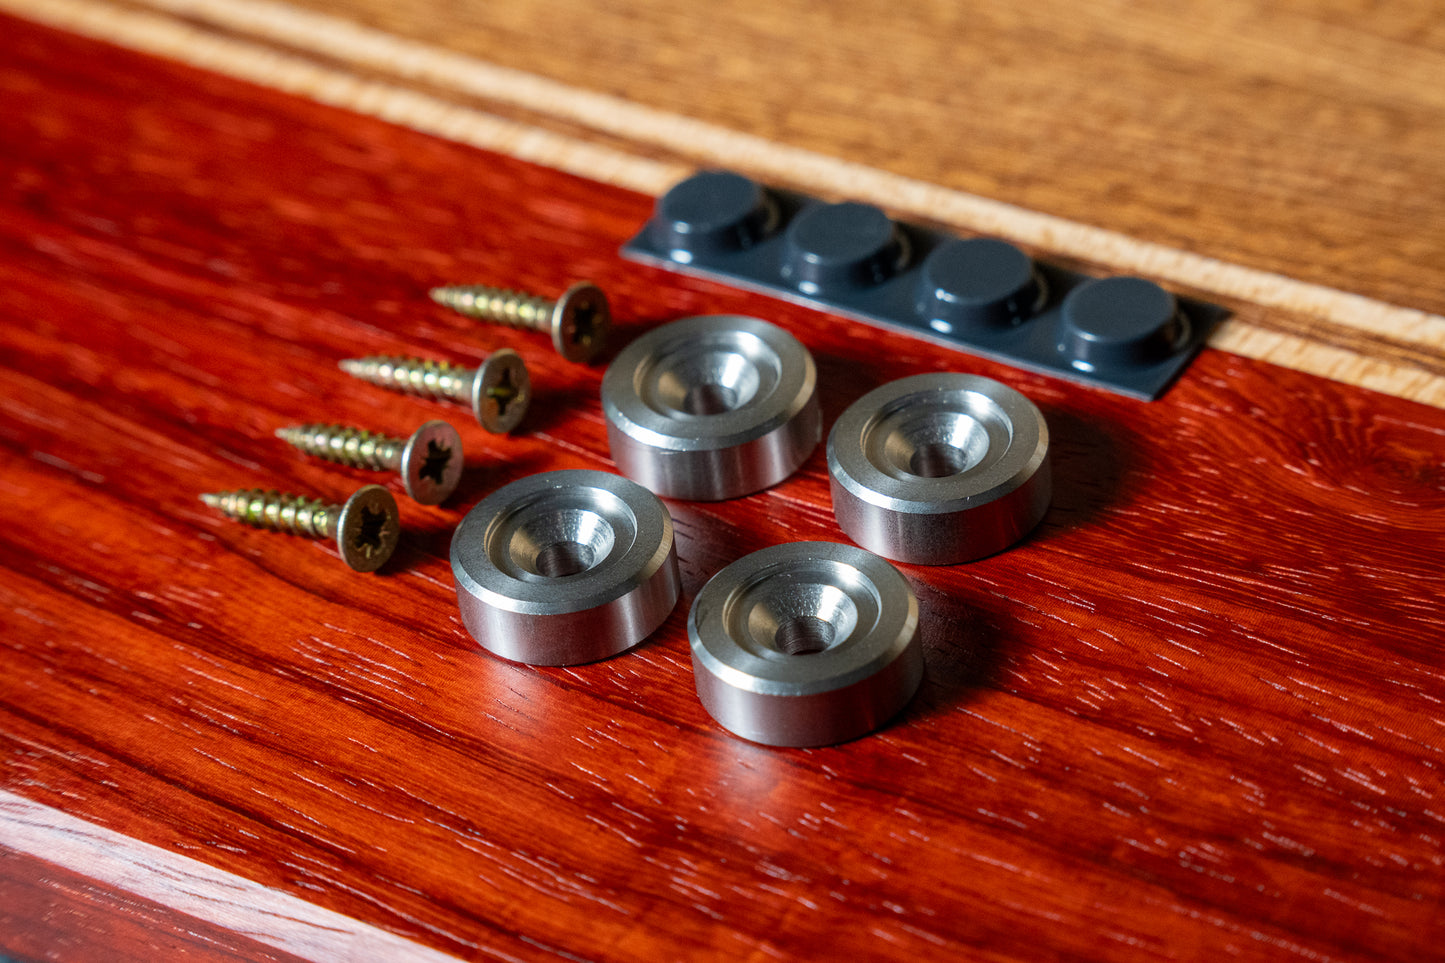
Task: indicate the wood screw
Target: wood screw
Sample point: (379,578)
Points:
(578,321)
(498,391)
(366,527)
(430,461)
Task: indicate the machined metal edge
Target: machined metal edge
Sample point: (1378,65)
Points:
(805,644)
(565,567)
(938,469)
(712,407)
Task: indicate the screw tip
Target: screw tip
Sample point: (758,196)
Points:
(213,499)
(456,297)
(350,365)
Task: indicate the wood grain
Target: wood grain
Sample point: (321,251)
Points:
(1299,138)
(48,912)
(1197,714)
(147,903)
(1307,326)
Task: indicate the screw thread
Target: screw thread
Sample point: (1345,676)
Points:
(516,309)
(293,514)
(415,376)
(346,446)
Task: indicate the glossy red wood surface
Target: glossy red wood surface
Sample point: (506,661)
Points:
(1198,714)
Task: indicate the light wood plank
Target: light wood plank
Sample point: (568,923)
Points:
(1412,366)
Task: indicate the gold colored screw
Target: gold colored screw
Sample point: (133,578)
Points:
(365,528)
(430,461)
(498,391)
(578,321)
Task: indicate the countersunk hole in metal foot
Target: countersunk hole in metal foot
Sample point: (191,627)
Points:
(926,440)
(561,559)
(564,541)
(938,461)
(708,399)
(802,611)
(804,635)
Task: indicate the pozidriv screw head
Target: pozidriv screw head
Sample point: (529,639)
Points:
(430,462)
(366,527)
(578,321)
(498,392)
(501,391)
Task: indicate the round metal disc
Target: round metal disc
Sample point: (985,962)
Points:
(805,644)
(565,567)
(712,407)
(939,468)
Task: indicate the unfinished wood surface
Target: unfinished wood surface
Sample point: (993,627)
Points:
(1308,326)
(1301,138)
(1197,714)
